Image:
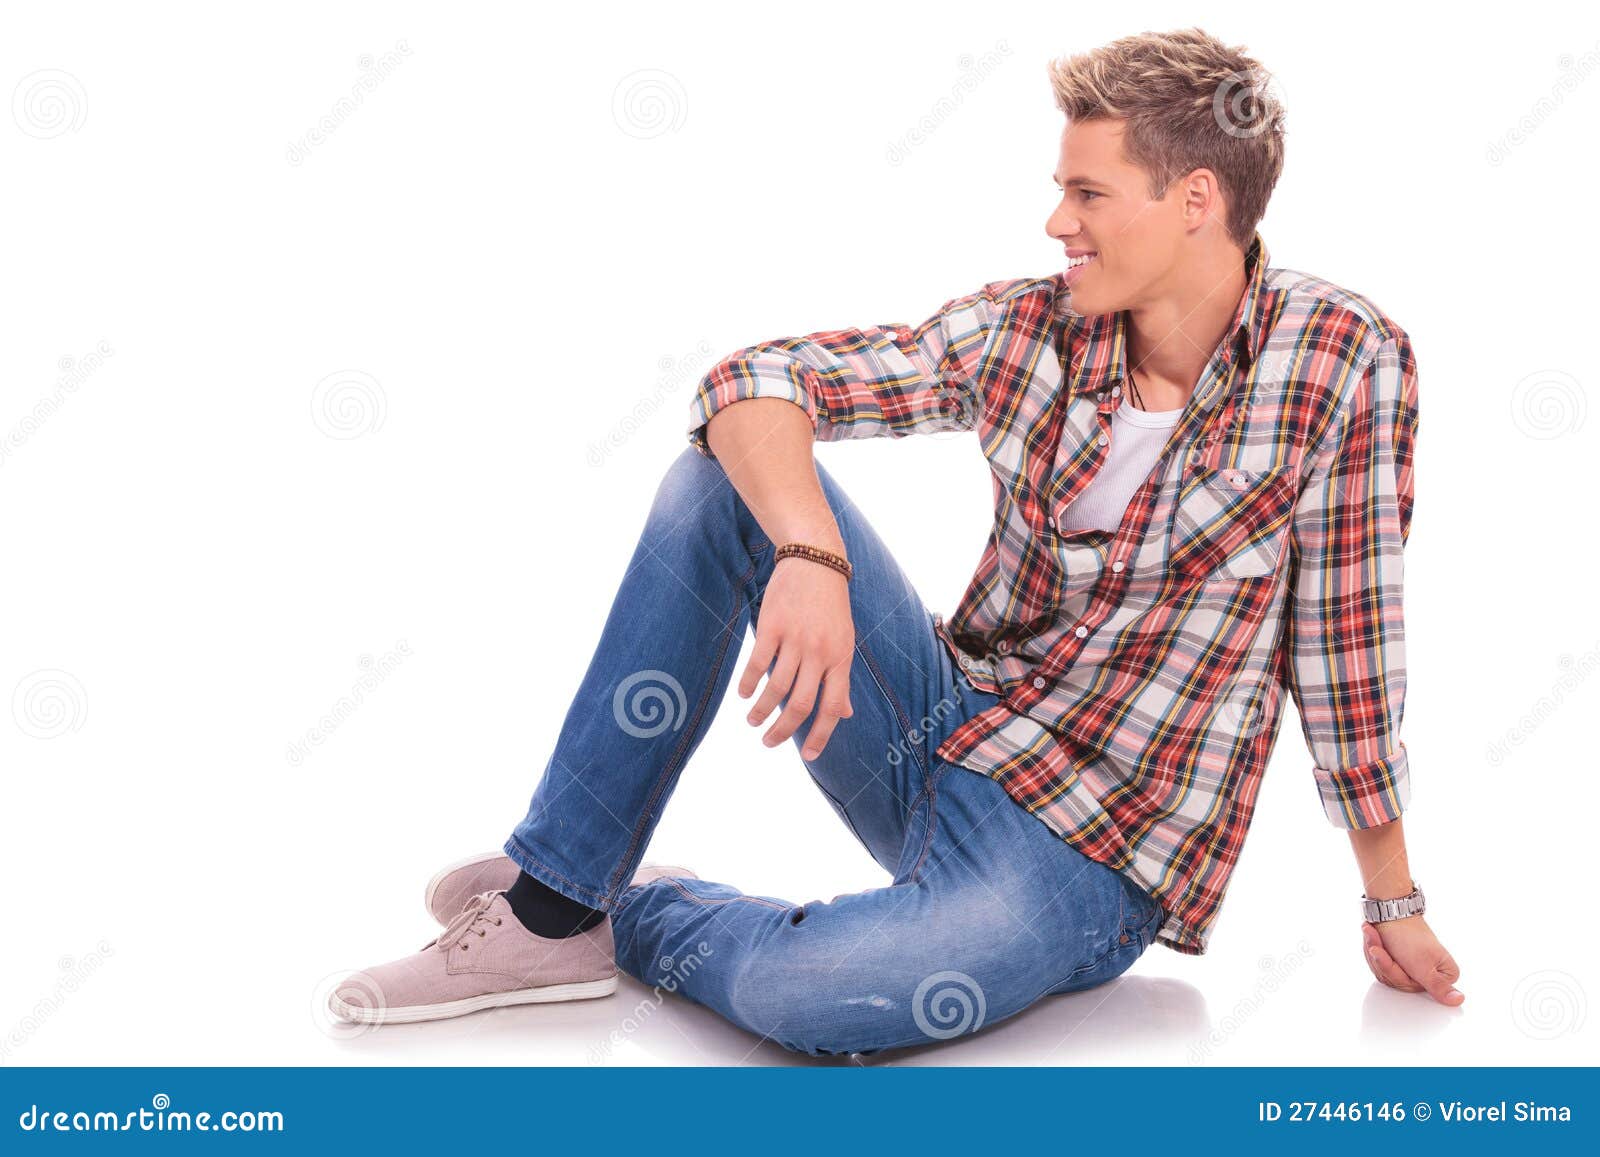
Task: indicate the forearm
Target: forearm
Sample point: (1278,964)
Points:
(765,447)
(1381,854)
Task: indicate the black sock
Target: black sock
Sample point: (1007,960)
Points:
(545,912)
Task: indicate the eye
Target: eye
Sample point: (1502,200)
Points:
(1087,193)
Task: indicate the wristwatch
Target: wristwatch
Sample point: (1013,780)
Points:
(1377,911)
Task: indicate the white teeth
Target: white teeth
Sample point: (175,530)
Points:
(1074,262)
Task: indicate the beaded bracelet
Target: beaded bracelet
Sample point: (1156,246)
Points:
(816,554)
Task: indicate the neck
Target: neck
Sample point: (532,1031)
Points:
(1171,337)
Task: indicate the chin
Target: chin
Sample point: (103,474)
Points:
(1090,304)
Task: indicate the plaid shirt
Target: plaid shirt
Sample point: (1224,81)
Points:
(1141,671)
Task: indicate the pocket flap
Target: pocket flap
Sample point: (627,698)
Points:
(1230,520)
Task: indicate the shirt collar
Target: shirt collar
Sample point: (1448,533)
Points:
(1103,341)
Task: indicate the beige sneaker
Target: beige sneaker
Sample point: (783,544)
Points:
(484,959)
(649,872)
(454,884)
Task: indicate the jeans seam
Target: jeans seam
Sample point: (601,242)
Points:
(843,811)
(709,903)
(903,719)
(615,886)
(932,793)
(601,900)
(1133,935)
(1084,969)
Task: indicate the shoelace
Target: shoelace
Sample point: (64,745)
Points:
(459,931)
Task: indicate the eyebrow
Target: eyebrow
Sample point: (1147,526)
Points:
(1079,181)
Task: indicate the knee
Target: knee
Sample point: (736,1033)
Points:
(695,496)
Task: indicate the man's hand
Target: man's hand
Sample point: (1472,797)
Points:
(1405,954)
(805,625)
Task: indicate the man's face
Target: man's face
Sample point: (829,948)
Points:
(1106,210)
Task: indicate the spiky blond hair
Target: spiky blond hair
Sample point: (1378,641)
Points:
(1190,102)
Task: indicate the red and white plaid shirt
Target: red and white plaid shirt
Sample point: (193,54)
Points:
(1141,671)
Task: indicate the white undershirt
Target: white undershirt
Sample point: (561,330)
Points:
(1137,439)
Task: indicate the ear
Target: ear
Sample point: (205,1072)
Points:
(1202,199)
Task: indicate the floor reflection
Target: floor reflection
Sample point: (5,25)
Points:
(1112,1024)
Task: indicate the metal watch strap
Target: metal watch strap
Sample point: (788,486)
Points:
(1397,908)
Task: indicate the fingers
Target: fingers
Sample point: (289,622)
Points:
(760,659)
(1383,965)
(777,686)
(835,706)
(802,698)
(1441,982)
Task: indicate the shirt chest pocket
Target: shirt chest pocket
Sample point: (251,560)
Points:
(1229,522)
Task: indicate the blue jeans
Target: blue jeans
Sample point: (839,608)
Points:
(987,911)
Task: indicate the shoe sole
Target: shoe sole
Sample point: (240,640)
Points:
(438,878)
(550,993)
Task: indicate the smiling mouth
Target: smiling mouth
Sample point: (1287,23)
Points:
(1080,262)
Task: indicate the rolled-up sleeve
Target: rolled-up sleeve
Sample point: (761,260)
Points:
(1346,625)
(882,380)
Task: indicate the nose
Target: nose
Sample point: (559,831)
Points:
(1061,224)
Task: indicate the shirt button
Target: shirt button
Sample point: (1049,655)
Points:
(1050,522)
(1005,646)
(1082,632)
(1038,681)
(1117,566)
(1116,391)
(1105,440)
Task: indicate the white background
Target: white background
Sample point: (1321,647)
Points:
(533,269)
